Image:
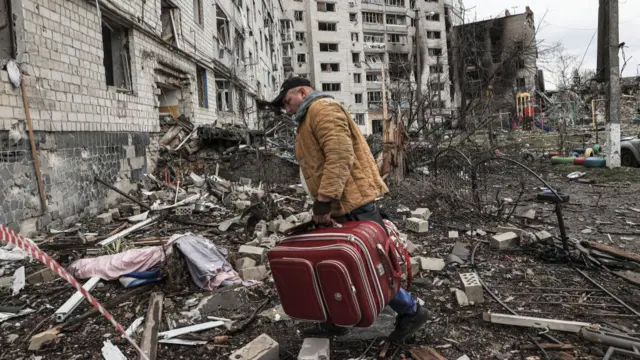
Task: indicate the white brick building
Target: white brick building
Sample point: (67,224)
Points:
(98,74)
(342,46)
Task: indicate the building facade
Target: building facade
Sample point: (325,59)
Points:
(492,62)
(343,47)
(98,75)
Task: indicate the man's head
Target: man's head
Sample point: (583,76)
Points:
(292,93)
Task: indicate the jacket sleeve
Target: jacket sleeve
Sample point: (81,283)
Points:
(331,128)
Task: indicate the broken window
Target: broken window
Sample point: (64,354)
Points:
(168,16)
(324,47)
(374,38)
(330,67)
(521,83)
(115,43)
(223,95)
(238,42)
(197,12)
(327,26)
(396,19)
(374,96)
(353,17)
(372,58)
(375,77)
(325,6)
(201,82)
(372,18)
(520,64)
(300,36)
(330,86)
(435,86)
(222,26)
(298,15)
(436,69)
(357,78)
(434,34)
(397,38)
(355,59)
(355,37)
(302,58)
(358,98)
(359,119)
(435,52)
(433,17)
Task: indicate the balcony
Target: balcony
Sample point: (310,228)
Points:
(372,4)
(366,26)
(286,63)
(222,54)
(287,36)
(371,47)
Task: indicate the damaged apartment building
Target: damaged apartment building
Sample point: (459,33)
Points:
(343,47)
(100,77)
(494,61)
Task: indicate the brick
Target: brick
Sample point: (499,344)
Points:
(254,252)
(413,248)
(544,235)
(42,276)
(431,264)
(453,235)
(245,262)
(417,225)
(257,273)
(261,348)
(315,349)
(472,288)
(415,265)
(421,213)
(115,213)
(104,219)
(504,240)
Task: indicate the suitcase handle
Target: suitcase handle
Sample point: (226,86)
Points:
(392,268)
(309,225)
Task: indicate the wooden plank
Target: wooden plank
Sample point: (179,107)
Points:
(426,354)
(532,322)
(149,342)
(36,160)
(615,252)
(547,346)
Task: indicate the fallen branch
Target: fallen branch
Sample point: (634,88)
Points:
(249,320)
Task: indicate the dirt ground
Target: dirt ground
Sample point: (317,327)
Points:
(532,279)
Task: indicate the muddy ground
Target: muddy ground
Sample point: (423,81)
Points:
(532,280)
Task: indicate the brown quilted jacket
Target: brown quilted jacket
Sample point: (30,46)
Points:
(335,159)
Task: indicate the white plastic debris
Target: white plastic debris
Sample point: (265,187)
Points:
(18,281)
(112,352)
(138,218)
(14,254)
(14,73)
(576,175)
(134,326)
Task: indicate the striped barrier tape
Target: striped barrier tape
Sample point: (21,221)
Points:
(12,237)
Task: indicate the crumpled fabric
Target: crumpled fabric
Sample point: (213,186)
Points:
(111,267)
(207,265)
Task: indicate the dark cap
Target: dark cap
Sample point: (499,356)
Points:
(290,83)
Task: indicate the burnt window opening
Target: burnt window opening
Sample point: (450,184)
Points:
(222,26)
(521,83)
(396,19)
(300,36)
(302,58)
(355,37)
(374,77)
(298,15)
(331,86)
(358,98)
(117,64)
(197,12)
(169,15)
(324,6)
(520,64)
(434,34)
(372,18)
(433,17)
(355,58)
(201,83)
(357,78)
(324,47)
(327,26)
(330,67)
(435,52)
(353,17)
(359,119)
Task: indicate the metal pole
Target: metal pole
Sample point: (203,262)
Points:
(122,193)
(421,120)
(613,88)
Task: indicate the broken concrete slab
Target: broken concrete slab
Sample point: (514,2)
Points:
(431,264)
(381,328)
(315,349)
(257,273)
(461,297)
(529,214)
(453,235)
(43,276)
(275,314)
(421,213)
(505,229)
(115,213)
(472,288)
(104,219)
(244,263)
(450,259)
(504,240)
(415,266)
(226,298)
(418,225)
(254,252)
(261,348)
(543,235)
(414,249)
(460,250)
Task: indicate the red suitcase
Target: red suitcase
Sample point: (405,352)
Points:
(341,275)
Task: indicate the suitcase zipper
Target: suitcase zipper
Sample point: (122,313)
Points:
(350,238)
(353,254)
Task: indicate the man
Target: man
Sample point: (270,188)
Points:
(342,176)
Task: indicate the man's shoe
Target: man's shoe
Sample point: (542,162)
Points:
(407,325)
(326,330)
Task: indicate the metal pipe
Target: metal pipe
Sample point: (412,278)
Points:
(127,231)
(607,291)
(122,193)
(67,308)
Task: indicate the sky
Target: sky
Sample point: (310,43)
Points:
(571,22)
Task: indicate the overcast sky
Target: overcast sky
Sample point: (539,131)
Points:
(572,22)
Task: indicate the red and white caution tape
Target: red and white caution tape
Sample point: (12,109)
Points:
(27,245)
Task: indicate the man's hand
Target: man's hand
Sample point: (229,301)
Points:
(322,211)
